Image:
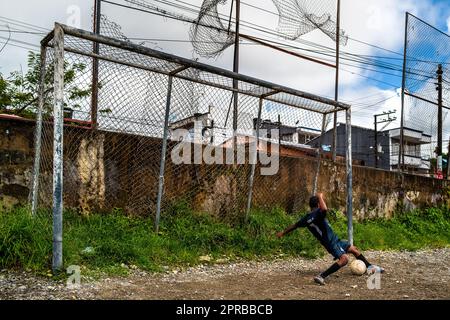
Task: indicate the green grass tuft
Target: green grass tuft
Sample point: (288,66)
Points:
(113,240)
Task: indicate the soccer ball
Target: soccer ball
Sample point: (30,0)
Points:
(358,267)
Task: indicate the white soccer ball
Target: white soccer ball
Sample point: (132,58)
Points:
(358,267)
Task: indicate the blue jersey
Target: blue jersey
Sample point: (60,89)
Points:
(318,225)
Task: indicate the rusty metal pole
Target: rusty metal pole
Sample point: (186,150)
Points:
(163,154)
(401,158)
(95,65)
(439,72)
(254,159)
(376,141)
(236,70)
(349,167)
(336,89)
(58,122)
(448,160)
(38,134)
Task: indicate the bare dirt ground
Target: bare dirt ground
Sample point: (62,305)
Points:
(409,275)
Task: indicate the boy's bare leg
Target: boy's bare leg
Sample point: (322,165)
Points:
(358,255)
(370,267)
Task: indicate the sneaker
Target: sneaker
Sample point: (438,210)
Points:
(319,280)
(374,269)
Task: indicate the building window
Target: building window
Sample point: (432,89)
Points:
(395,149)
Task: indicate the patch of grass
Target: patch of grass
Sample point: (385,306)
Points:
(429,228)
(104,243)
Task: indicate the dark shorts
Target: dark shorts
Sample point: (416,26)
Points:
(338,248)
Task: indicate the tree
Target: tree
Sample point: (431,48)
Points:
(19,92)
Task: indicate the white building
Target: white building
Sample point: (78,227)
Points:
(415,158)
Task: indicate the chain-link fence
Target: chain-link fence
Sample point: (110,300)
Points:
(427,53)
(160,132)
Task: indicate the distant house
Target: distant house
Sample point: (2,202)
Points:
(204,126)
(291,141)
(296,135)
(285,148)
(414,159)
(364,149)
(363,145)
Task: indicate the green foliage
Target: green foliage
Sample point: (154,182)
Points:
(25,242)
(19,92)
(115,239)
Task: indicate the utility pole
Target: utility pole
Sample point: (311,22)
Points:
(377,122)
(448,160)
(279,132)
(336,89)
(439,73)
(94,97)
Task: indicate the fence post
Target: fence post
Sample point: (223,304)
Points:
(38,137)
(255,160)
(58,122)
(163,154)
(401,151)
(319,153)
(348,116)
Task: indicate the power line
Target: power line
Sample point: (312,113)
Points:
(396,68)
(7,41)
(22,47)
(24,32)
(20,42)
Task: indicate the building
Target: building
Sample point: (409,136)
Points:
(415,160)
(199,128)
(285,148)
(364,150)
(290,142)
(296,135)
(363,145)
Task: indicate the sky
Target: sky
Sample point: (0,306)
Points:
(377,22)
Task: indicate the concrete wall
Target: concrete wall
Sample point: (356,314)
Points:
(107,172)
(16,158)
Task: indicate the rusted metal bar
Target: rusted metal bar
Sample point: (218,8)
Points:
(336,84)
(295,54)
(254,159)
(38,134)
(349,167)
(163,154)
(95,65)
(425,100)
(236,70)
(48,38)
(219,86)
(197,65)
(401,158)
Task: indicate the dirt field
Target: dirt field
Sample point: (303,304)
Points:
(409,275)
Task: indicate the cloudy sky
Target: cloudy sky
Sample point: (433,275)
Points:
(379,23)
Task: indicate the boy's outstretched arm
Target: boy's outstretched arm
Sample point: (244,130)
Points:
(287,231)
(322,204)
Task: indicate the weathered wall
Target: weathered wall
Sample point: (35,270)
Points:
(16,158)
(109,173)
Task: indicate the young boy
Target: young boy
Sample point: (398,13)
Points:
(318,225)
